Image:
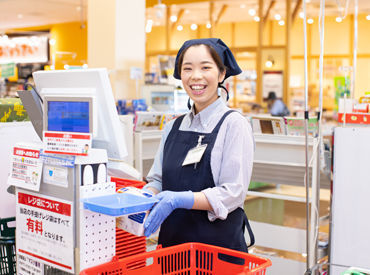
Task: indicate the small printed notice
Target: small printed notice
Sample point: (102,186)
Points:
(58,160)
(68,143)
(26,168)
(45,230)
(26,266)
(56,175)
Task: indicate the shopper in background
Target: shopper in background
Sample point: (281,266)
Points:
(256,108)
(203,166)
(276,106)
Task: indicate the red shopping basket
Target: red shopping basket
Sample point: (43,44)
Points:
(187,258)
(120,183)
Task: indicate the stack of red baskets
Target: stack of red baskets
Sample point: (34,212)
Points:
(128,244)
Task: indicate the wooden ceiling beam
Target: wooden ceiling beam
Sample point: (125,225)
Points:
(272,4)
(179,16)
(221,13)
(296,9)
(152,3)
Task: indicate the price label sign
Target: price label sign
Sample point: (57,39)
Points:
(77,144)
(26,168)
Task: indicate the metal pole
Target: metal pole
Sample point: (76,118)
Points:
(316,203)
(354,53)
(307,177)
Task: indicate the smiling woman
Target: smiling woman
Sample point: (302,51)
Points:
(204,162)
(200,75)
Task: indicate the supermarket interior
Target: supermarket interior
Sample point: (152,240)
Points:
(256,112)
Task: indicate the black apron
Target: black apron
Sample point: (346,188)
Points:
(184,225)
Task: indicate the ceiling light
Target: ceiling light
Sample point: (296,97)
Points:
(252,12)
(149,25)
(52,42)
(277,16)
(160,9)
(173,18)
(208,26)
(270,61)
(281,22)
(310,21)
(20,16)
(193,27)
(242,6)
(301,14)
(256,18)
(180,28)
(268,64)
(368,17)
(338,19)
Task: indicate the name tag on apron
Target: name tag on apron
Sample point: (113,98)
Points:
(194,155)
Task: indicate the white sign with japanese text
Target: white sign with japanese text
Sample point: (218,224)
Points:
(27,265)
(45,229)
(67,143)
(26,168)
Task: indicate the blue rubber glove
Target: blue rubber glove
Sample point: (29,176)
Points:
(168,201)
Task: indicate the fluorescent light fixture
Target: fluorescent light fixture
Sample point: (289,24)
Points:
(180,28)
(281,22)
(310,21)
(256,18)
(193,27)
(149,25)
(173,18)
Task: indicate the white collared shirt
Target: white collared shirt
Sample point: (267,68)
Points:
(231,157)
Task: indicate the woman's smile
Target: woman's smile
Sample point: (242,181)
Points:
(198,89)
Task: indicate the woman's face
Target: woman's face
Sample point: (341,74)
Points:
(200,76)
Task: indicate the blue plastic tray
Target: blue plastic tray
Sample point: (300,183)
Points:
(119,204)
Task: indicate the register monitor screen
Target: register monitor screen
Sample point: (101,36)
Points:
(108,133)
(69,116)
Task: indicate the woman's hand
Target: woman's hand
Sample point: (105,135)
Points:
(168,201)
